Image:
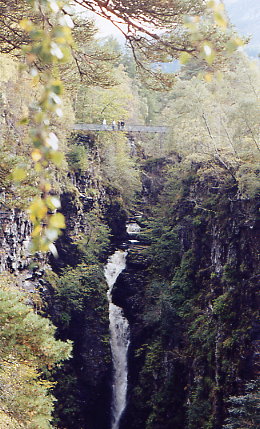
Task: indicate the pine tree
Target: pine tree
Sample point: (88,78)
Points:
(28,350)
(244,409)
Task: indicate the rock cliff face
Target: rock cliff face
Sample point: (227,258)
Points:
(80,312)
(194,332)
(15,257)
(14,236)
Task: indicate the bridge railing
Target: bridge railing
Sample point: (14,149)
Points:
(126,128)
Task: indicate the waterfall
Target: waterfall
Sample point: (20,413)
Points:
(119,338)
(133,228)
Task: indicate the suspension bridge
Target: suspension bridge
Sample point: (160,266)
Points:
(160,129)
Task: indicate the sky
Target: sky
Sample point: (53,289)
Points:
(245,15)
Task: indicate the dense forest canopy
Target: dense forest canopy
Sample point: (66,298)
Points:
(55,71)
(159,33)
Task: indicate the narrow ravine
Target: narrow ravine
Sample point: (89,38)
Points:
(119,339)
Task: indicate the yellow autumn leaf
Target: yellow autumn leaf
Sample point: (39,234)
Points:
(35,80)
(24,121)
(56,157)
(208,77)
(220,19)
(19,174)
(37,210)
(38,167)
(57,221)
(26,24)
(36,155)
(233,44)
(211,4)
(47,188)
(36,231)
(184,58)
(53,202)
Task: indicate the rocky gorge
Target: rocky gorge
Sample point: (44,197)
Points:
(129,217)
(189,292)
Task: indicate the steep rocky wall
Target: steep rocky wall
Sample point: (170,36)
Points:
(74,291)
(191,300)
(15,232)
(83,389)
(77,304)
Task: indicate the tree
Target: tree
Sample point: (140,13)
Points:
(244,409)
(92,61)
(119,172)
(161,31)
(218,120)
(12,36)
(114,103)
(28,350)
(157,32)
(48,44)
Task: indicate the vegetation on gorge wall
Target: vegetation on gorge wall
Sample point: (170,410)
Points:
(195,346)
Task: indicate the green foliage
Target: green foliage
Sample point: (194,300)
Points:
(119,170)
(164,249)
(27,348)
(179,179)
(221,305)
(247,177)
(13,193)
(244,409)
(184,29)
(92,62)
(94,245)
(230,274)
(153,357)
(68,408)
(114,103)
(200,315)
(183,282)
(79,308)
(222,127)
(49,45)
(189,317)
(78,159)
(199,411)
(74,290)
(202,331)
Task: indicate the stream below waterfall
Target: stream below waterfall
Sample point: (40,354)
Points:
(119,339)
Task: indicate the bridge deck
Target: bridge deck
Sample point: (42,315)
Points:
(126,128)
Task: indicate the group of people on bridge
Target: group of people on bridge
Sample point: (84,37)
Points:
(120,125)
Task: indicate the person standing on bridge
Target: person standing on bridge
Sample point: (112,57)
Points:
(113,125)
(104,123)
(122,125)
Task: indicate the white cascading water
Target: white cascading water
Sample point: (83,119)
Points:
(133,228)
(119,338)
